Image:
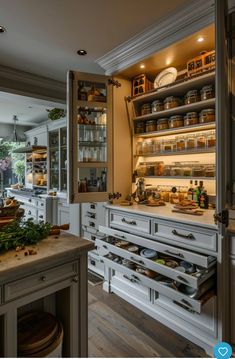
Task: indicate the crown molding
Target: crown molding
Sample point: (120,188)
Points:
(179,24)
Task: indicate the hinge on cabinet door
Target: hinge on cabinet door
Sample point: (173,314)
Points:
(115,83)
(222,217)
(127,98)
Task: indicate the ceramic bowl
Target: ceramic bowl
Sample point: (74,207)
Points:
(148,253)
(189,267)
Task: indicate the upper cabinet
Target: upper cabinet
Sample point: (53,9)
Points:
(89,137)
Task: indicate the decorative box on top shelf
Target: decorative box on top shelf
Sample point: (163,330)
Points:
(141,84)
(205,61)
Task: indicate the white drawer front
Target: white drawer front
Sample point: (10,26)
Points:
(41,204)
(196,258)
(185,234)
(186,301)
(38,281)
(130,222)
(90,222)
(30,212)
(41,216)
(124,283)
(232,246)
(184,278)
(95,263)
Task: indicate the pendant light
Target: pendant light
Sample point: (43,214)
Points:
(14,136)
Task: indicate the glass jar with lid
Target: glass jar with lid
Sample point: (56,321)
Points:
(145,147)
(159,168)
(209,170)
(150,168)
(151,125)
(192,96)
(167,170)
(151,146)
(157,146)
(141,169)
(190,142)
(176,121)
(180,143)
(199,171)
(207,115)
(191,118)
(201,141)
(210,139)
(157,106)
(140,127)
(166,145)
(162,124)
(171,102)
(139,148)
(207,92)
(145,109)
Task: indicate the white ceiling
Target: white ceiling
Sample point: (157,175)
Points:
(43,36)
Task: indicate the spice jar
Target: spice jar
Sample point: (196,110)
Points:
(145,109)
(180,144)
(207,92)
(201,141)
(192,97)
(151,147)
(207,115)
(159,168)
(190,142)
(157,106)
(151,125)
(176,121)
(210,139)
(171,102)
(139,148)
(162,124)
(167,171)
(157,146)
(191,118)
(140,127)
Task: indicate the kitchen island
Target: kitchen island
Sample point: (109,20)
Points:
(53,280)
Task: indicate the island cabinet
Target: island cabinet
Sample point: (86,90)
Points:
(55,281)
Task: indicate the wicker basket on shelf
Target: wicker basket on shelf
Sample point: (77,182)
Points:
(10,211)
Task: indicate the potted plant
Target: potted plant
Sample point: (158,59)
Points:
(56,113)
(19,170)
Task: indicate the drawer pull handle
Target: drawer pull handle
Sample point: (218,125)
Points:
(43,278)
(41,216)
(75,279)
(174,254)
(182,278)
(119,236)
(29,212)
(137,260)
(135,278)
(90,215)
(187,236)
(92,224)
(183,306)
(186,302)
(130,279)
(93,238)
(133,223)
(92,206)
(30,200)
(101,261)
(105,247)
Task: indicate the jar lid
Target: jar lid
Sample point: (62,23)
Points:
(171,98)
(162,120)
(207,88)
(192,92)
(175,117)
(157,102)
(151,122)
(210,111)
(140,124)
(146,105)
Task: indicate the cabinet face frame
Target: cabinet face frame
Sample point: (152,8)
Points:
(72,151)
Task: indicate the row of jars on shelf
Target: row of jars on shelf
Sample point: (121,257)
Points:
(188,142)
(92,154)
(191,118)
(181,169)
(192,96)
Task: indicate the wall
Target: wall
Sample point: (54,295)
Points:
(6,130)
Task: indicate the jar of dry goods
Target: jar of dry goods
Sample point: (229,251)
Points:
(145,148)
(210,139)
(150,169)
(145,109)
(171,102)
(192,96)
(140,127)
(159,168)
(157,146)
(207,115)
(201,141)
(191,118)
(139,148)
(166,146)
(209,171)
(180,144)
(190,142)
(151,147)
(141,169)
(176,121)
(151,125)
(162,124)
(157,106)
(199,171)
(207,92)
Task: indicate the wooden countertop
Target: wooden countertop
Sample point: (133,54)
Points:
(52,249)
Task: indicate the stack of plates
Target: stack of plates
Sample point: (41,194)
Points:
(148,253)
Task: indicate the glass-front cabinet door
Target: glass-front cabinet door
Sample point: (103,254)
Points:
(63,159)
(54,160)
(89,137)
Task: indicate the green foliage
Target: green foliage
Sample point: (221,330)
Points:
(19,169)
(56,113)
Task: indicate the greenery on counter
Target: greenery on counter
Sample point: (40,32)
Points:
(22,233)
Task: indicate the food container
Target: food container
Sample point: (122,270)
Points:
(180,143)
(159,168)
(145,109)
(145,147)
(167,146)
(176,171)
(192,97)
(162,124)
(199,171)
(167,171)
(157,146)
(210,139)
(127,263)
(201,141)
(157,106)
(191,118)
(140,127)
(150,169)
(176,121)
(187,171)
(141,170)
(133,249)
(151,125)
(190,142)
(189,267)
(139,148)
(171,102)
(151,146)
(209,171)
(207,92)
(207,115)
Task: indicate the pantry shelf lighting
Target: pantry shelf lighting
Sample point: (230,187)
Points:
(200,39)
(81,52)
(2,29)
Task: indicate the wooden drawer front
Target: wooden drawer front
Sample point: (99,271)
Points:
(130,222)
(184,300)
(206,321)
(158,268)
(203,260)
(39,280)
(184,234)
(41,216)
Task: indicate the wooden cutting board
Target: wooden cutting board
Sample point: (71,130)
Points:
(194,212)
(6,220)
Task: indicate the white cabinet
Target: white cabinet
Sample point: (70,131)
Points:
(63,212)
(38,134)
(232,299)
(68,213)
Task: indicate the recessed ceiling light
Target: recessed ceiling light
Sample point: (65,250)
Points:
(2,29)
(81,52)
(200,39)
(142,66)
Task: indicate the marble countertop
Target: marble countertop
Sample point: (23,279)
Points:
(165,212)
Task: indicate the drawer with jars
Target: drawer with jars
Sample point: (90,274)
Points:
(175,277)
(190,143)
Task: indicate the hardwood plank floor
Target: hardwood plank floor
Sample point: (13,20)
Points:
(118,329)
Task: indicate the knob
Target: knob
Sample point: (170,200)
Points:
(30,200)
(75,279)
(41,216)
(43,278)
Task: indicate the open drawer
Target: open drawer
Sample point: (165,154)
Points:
(195,305)
(199,259)
(187,279)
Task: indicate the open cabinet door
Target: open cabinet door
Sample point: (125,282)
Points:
(224,164)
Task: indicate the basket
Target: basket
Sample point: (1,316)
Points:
(9,211)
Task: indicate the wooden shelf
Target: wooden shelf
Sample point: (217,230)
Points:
(176,153)
(197,106)
(176,89)
(92,105)
(179,130)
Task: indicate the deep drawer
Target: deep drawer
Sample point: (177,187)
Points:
(199,259)
(29,212)
(174,274)
(184,300)
(38,281)
(184,234)
(130,222)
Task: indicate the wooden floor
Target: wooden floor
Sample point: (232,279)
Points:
(117,329)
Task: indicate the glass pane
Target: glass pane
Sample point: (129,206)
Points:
(92,180)
(54,159)
(63,159)
(92,135)
(91,91)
